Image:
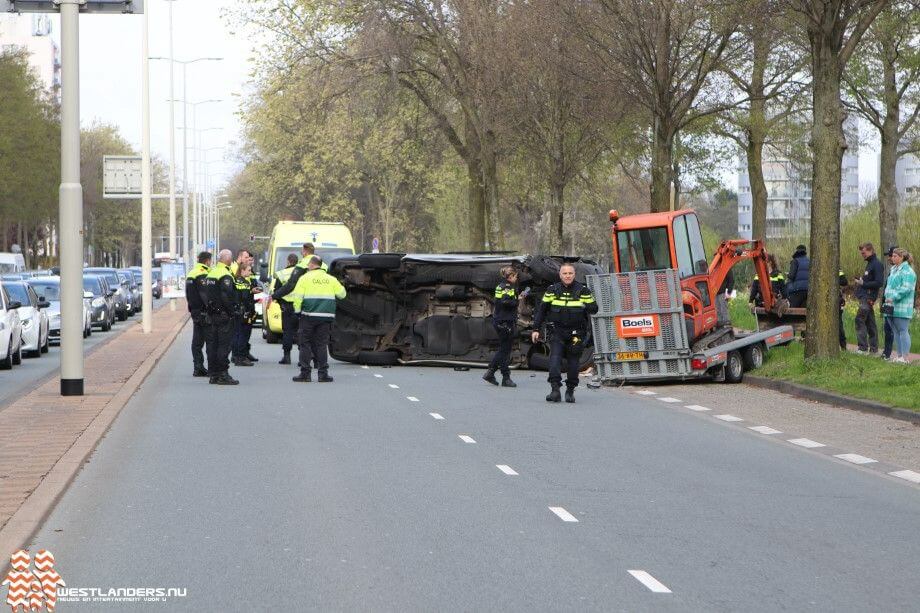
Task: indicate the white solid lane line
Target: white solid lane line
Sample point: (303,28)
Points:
(563,514)
(669,399)
(647,393)
(466,439)
(806,442)
(909,475)
(764,429)
(855,458)
(378,376)
(650,582)
(412,398)
(394,386)
(506,469)
(728,418)
(436,415)
(696,407)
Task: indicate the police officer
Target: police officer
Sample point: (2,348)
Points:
(196,297)
(566,308)
(314,298)
(504,319)
(307,251)
(223,305)
(777,283)
(244,283)
(288,315)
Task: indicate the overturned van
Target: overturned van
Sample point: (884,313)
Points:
(437,309)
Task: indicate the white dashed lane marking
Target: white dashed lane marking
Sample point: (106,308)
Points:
(379,376)
(647,393)
(728,418)
(909,475)
(855,458)
(806,442)
(394,386)
(764,429)
(563,514)
(411,398)
(669,400)
(696,407)
(506,469)
(437,415)
(466,439)
(650,582)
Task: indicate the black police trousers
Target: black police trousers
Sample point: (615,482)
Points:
(798,299)
(199,335)
(219,341)
(313,343)
(505,331)
(289,325)
(242,332)
(565,352)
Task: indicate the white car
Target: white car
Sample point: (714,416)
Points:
(49,288)
(10,332)
(32,316)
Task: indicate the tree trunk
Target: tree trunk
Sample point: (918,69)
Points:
(477,204)
(888,158)
(662,154)
(490,186)
(556,212)
(757,128)
(828,144)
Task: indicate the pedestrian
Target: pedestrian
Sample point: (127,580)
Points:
(889,333)
(196,298)
(223,306)
(307,251)
(288,315)
(504,320)
(777,283)
(798,278)
(867,287)
(254,288)
(314,299)
(899,301)
(566,308)
(247,315)
(841,333)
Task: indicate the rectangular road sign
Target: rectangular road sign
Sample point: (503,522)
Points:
(121,176)
(86,6)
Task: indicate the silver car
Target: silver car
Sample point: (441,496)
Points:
(32,316)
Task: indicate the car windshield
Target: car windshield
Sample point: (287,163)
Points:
(49,291)
(125,277)
(18,292)
(328,255)
(91,284)
(156,274)
(138,278)
(644,249)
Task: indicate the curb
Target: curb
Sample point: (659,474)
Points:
(847,402)
(26,521)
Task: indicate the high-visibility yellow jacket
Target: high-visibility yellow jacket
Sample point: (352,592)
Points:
(316,292)
(281,277)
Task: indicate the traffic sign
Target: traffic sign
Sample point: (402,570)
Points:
(86,6)
(375,245)
(121,176)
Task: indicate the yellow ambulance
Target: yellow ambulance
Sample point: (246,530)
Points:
(331,239)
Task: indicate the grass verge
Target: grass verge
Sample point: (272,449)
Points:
(849,374)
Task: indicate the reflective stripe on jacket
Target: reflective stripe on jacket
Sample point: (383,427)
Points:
(316,292)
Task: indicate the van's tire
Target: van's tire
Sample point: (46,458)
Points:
(378,358)
(752,356)
(272,338)
(47,344)
(734,367)
(380,261)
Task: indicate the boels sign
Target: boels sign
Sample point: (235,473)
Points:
(630,326)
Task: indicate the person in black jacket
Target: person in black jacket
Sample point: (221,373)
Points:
(777,283)
(566,308)
(797,282)
(867,288)
(223,306)
(504,319)
(245,287)
(195,296)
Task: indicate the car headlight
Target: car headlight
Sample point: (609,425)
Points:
(98,302)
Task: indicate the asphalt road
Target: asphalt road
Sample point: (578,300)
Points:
(352,496)
(26,376)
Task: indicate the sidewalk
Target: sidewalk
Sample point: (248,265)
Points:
(911,357)
(47,437)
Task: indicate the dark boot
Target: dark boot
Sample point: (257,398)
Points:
(286,359)
(324,378)
(554,395)
(214,379)
(200,371)
(242,362)
(251,357)
(303,377)
(507,382)
(570,394)
(489,377)
(224,378)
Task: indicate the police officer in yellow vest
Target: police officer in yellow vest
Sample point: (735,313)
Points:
(288,315)
(223,306)
(307,251)
(196,297)
(314,298)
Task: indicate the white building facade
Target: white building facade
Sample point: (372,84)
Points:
(32,33)
(907,179)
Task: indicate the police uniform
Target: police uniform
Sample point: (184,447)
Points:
(299,270)
(566,311)
(195,296)
(223,305)
(777,285)
(244,321)
(314,299)
(288,315)
(504,319)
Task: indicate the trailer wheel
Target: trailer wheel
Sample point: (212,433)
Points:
(734,367)
(753,356)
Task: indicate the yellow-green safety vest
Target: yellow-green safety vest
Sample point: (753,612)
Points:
(316,292)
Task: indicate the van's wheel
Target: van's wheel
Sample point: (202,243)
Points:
(272,338)
(378,358)
(752,356)
(734,367)
(47,344)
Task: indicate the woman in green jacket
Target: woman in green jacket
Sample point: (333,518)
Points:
(899,301)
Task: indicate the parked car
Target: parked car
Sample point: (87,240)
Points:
(437,309)
(122,294)
(32,317)
(157,284)
(127,277)
(10,331)
(102,303)
(50,289)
